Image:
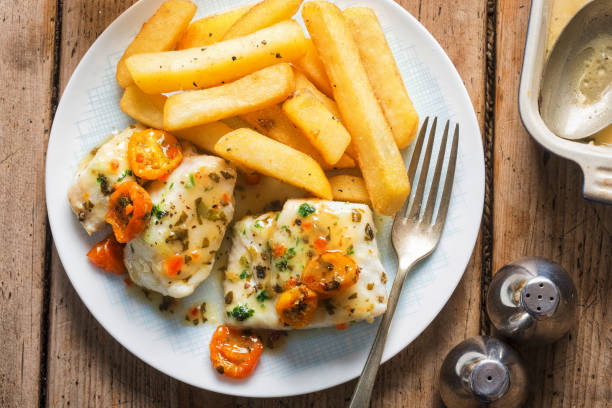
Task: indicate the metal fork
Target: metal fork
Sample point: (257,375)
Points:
(414,238)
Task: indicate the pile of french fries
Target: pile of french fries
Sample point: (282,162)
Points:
(249,86)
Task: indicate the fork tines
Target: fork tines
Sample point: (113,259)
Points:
(419,185)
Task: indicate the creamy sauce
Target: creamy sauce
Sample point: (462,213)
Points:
(594,64)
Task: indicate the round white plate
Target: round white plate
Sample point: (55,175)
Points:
(313,359)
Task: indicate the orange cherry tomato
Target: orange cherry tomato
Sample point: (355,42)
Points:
(129,209)
(297,306)
(108,255)
(153,154)
(330,273)
(234,353)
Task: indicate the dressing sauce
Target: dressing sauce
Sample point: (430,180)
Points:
(594,65)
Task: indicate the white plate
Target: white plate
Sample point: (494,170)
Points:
(313,359)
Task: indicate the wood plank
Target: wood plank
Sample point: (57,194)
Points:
(26,52)
(539,210)
(88,367)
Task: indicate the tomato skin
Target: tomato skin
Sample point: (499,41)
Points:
(129,209)
(234,353)
(296,307)
(108,255)
(330,273)
(153,154)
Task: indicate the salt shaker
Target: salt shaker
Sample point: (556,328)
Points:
(532,301)
(483,371)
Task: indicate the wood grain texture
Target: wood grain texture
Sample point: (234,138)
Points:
(539,210)
(89,368)
(26,52)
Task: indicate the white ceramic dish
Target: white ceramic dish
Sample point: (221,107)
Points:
(313,359)
(595,161)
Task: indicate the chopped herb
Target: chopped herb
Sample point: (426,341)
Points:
(350,250)
(263,296)
(126,172)
(241,313)
(260,271)
(305,210)
(277,215)
(229,297)
(182,219)
(104,185)
(205,242)
(171,185)
(157,212)
(191,183)
(282,264)
(244,274)
(214,177)
(227,175)
(132,248)
(369,232)
(258,224)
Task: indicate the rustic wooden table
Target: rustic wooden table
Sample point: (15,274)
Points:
(56,354)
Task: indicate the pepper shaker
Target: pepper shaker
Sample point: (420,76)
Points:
(532,301)
(483,371)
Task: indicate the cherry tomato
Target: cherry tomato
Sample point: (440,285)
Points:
(297,306)
(129,209)
(108,255)
(234,353)
(153,154)
(330,273)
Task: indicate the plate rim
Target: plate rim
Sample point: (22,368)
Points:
(229,388)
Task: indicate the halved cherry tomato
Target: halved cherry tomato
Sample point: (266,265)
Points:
(108,255)
(153,154)
(297,306)
(330,273)
(129,209)
(234,353)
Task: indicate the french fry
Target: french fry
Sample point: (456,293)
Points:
(269,157)
(383,73)
(217,63)
(146,109)
(206,137)
(301,82)
(209,30)
(349,188)
(236,122)
(160,33)
(273,123)
(311,65)
(262,15)
(255,91)
(380,161)
(321,127)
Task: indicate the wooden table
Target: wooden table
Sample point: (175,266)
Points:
(56,354)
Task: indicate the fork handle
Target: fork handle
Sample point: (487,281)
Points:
(363,391)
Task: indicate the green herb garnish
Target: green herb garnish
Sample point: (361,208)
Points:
(241,313)
(263,296)
(157,212)
(126,172)
(191,183)
(305,210)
